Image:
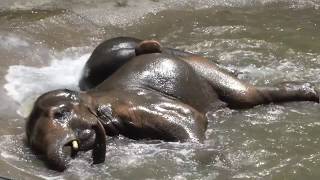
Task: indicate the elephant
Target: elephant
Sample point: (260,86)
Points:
(141,90)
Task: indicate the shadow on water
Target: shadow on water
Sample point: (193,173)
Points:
(44,45)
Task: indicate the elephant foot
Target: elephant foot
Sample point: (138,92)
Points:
(148,47)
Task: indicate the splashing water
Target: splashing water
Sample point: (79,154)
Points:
(26,83)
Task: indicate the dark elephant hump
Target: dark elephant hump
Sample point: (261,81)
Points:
(106,59)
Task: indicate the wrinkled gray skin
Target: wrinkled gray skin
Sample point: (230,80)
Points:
(141,90)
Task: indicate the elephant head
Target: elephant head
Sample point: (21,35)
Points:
(62,123)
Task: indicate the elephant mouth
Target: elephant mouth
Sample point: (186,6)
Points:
(59,154)
(71,148)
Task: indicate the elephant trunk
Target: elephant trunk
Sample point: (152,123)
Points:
(99,149)
(61,149)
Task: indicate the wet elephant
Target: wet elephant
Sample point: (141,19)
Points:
(142,91)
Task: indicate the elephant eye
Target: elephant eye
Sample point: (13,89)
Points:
(61,113)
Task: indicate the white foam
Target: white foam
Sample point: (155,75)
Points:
(26,83)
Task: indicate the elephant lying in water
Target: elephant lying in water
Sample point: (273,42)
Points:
(140,90)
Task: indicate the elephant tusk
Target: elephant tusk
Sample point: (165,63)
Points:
(75,145)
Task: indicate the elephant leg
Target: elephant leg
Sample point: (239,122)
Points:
(110,55)
(239,94)
(290,91)
(106,58)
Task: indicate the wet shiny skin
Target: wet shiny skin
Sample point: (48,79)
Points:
(154,96)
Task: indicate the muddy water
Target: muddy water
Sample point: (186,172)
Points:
(44,44)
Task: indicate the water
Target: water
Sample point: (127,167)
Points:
(44,45)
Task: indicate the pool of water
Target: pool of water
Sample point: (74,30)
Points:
(44,45)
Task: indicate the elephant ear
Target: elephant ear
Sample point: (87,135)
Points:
(147,47)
